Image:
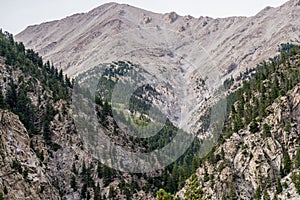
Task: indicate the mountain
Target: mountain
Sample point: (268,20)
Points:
(42,156)
(167,45)
(109,32)
(259,156)
(210,77)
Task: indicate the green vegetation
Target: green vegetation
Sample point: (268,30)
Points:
(296,180)
(173,176)
(1,196)
(297,160)
(246,108)
(55,86)
(266,195)
(247,105)
(257,194)
(163,195)
(194,191)
(278,186)
(266,131)
(287,163)
(73,183)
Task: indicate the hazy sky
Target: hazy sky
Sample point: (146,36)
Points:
(16,15)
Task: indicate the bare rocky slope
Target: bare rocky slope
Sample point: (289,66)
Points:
(109,32)
(17,156)
(179,50)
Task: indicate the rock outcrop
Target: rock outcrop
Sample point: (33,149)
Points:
(253,160)
(21,173)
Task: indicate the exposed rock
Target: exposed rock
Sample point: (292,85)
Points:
(147,19)
(253,160)
(16,151)
(171,17)
(181,29)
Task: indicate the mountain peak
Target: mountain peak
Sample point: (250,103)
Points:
(103,7)
(78,38)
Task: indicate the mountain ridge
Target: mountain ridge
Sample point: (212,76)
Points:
(103,23)
(184,46)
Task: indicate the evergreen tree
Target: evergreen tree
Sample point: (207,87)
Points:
(111,193)
(73,183)
(74,170)
(2,100)
(278,187)
(254,127)
(297,159)
(84,191)
(266,195)
(163,195)
(83,170)
(266,130)
(11,95)
(257,194)
(97,192)
(1,196)
(287,163)
(5,190)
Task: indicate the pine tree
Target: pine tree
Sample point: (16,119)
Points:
(2,100)
(5,190)
(287,163)
(83,170)
(74,170)
(254,127)
(97,192)
(73,183)
(278,187)
(222,153)
(163,195)
(11,95)
(99,170)
(297,159)
(257,194)
(1,196)
(84,191)
(111,193)
(266,195)
(266,130)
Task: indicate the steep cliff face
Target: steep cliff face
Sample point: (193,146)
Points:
(22,174)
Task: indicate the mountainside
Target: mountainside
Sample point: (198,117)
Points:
(185,48)
(204,77)
(21,173)
(42,156)
(259,154)
(109,32)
